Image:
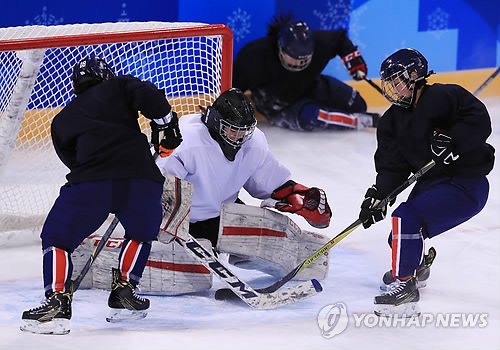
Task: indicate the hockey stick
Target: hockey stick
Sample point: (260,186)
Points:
(375,86)
(225,294)
(238,287)
(76,282)
(492,76)
(241,289)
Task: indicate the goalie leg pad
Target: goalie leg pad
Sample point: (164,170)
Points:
(170,270)
(264,240)
(176,203)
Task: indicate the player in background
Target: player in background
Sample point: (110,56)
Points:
(442,122)
(224,152)
(283,72)
(97,136)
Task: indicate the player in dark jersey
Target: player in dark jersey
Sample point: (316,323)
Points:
(284,73)
(97,136)
(440,122)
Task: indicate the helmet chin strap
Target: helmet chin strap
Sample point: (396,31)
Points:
(419,83)
(414,97)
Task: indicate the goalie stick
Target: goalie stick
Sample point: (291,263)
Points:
(238,287)
(241,289)
(225,294)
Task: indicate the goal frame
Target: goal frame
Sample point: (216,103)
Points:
(41,40)
(151,34)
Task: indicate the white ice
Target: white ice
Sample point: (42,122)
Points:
(465,277)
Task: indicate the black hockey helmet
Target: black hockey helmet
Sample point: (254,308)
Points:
(296,42)
(89,72)
(402,74)
(231,121)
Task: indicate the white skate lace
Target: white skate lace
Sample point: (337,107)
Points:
(138,296)
(396,287)
(44,303)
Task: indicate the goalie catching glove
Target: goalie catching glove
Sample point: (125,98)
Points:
(165,134)
(311,203)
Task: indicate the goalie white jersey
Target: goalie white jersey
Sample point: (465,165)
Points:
(199,160)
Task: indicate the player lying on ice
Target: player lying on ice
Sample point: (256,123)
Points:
(223,151)
(283,71)
(442,122)
(97,136)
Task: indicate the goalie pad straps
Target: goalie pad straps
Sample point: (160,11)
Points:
(310,203)
(264,240)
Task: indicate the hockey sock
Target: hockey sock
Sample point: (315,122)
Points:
(57,270)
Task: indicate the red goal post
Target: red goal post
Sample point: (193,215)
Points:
(192,62)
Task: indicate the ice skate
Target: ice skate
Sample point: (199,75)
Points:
(52,317)
(400,301)
(423,273)
(123,301)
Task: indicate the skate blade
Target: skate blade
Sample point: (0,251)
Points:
(58,326)
(406,310)
(120,315)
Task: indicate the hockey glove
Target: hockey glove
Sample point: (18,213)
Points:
(166,137)
(369,214)
(355,65)
(442,148)
(310,203)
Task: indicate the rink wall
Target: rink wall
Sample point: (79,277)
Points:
(469,79)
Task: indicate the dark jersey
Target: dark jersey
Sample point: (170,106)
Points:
(97,135)
(404,136)
(257,66)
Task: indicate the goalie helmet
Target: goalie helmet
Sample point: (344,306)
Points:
(296,46)
(231,121)
(89,72)
(402,74)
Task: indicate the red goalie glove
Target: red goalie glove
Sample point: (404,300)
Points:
(311,203)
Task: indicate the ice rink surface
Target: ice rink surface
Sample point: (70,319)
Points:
(465,277)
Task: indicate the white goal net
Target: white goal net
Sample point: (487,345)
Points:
(191,62)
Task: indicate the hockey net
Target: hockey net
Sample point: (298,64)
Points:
(192,62)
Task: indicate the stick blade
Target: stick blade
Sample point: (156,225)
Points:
(225,294)
(276,299)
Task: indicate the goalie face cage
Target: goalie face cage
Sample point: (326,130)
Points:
(191,62)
